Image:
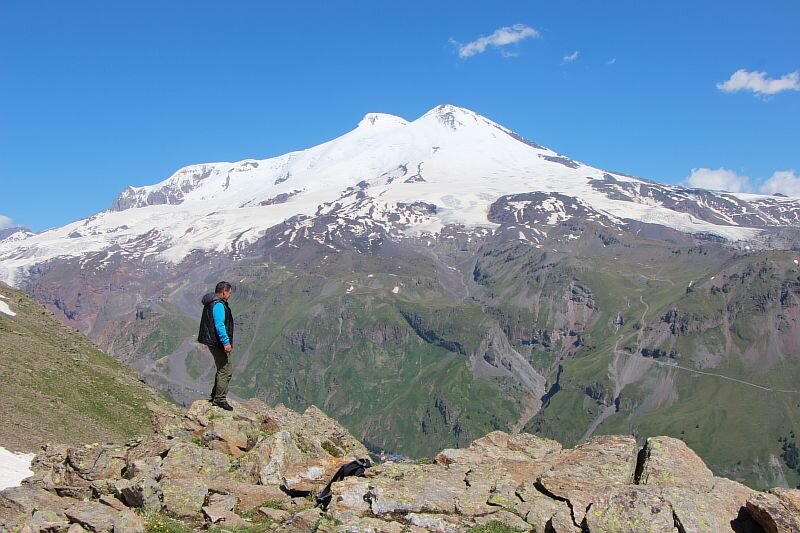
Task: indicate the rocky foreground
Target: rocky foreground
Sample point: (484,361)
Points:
(257,468)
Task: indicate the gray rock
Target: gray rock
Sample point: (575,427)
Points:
(129,522)
(348,499)
(669,462)
(219,514)
(186,460)
(274,515)
(183,498)
(415,489)
(92,515)
(226,500)
(95,461)
(48,520)
(143,493)
(777,512)
(631,509)
(590,471)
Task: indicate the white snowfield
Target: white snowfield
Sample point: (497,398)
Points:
(4,308)
(14,467)
(450,157)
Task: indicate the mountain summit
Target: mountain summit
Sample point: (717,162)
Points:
(407,178)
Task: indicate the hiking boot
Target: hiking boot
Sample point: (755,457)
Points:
(223,404)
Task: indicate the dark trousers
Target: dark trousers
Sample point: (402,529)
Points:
(223,376)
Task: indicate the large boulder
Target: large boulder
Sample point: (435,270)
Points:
(777,511)
(591,470)
(187,460)
(183,498)
(669,462)
(92,515)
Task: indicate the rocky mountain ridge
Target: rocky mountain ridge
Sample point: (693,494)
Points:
(256,467)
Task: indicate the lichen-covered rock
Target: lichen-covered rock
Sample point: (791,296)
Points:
(311,475)
(92,515)
(26,499)
(148,448)
(187,460)
(273,456)
(498,446)
(231,434)
(94,461)
(327,436)
(128,522)
(716,510)
(669,462)
(217,514)
(49,467)
(543,512)
(631,509)
(370,525)
(140,492)
(777,511)
(113,502)
(248,496)
(348,499)
(226,500)
(590,471)
(414,489)
(183,498)
(48,520)
(438,522)
(274,515)
(304,521)
(144,467)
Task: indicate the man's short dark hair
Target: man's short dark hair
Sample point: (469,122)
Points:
(222,286)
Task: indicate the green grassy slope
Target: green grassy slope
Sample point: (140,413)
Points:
(58,387)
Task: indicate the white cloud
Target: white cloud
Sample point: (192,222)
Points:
(572,57)
(783,181)
(5,222)
(720,179)
(755,81)
(502,37)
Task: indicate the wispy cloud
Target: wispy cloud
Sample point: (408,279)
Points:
(572,57)
(5,222)
(502,37)
(719,179)
(784,182)
(759,83)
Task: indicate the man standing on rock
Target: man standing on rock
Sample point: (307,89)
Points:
(216,332)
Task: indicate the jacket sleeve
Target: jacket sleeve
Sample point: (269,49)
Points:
(219,323)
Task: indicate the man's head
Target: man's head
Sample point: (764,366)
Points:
(223,289)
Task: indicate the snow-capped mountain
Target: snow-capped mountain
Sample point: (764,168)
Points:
(391,176)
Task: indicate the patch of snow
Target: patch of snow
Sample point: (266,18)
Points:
(396,289)
(6,310)
(14,467)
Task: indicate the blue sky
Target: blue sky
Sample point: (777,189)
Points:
(99,95)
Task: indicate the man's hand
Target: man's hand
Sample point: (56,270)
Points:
(228,348)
